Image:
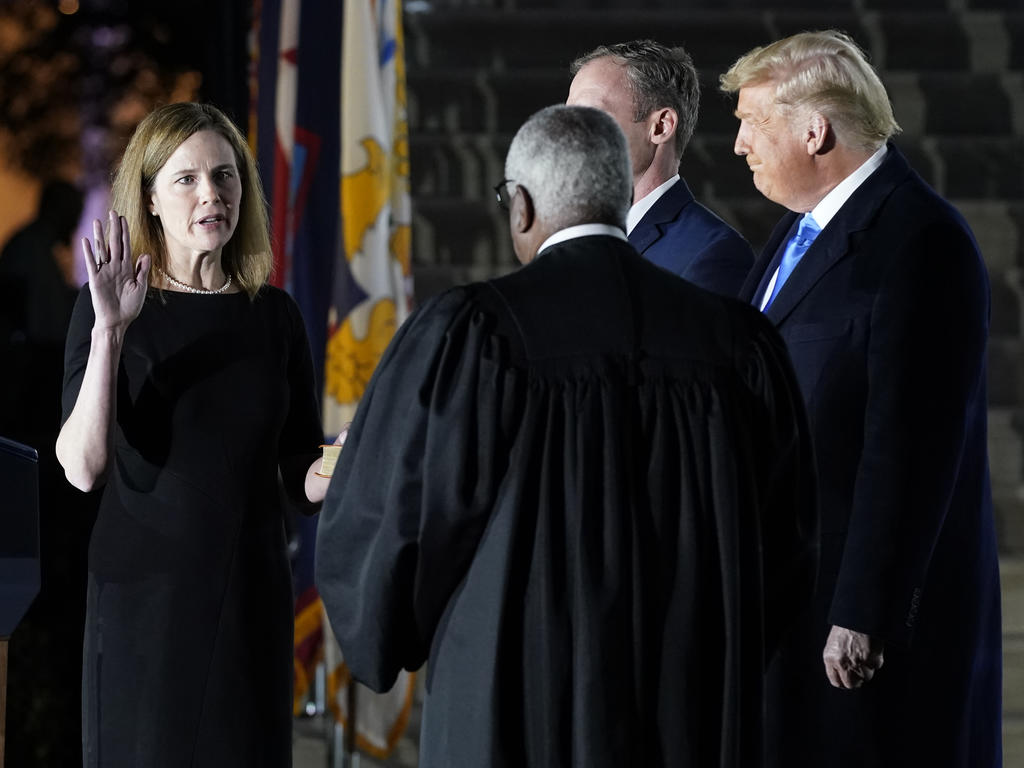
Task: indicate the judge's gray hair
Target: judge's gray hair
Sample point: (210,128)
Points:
(574,163)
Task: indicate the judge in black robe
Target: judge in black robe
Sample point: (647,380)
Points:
(583,492)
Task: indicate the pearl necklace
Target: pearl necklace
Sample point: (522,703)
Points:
(190,289)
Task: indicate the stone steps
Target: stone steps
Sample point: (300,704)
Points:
(1011,573)
(1013,743)
(1013,677)
(898,38)
(984,179)
(746,7)
(950,108)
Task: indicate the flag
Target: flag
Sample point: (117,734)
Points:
(294,59)
(297,130)
(336,174)
(372,287)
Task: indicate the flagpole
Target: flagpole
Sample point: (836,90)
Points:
(350,733)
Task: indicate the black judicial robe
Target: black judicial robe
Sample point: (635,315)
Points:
(585,493)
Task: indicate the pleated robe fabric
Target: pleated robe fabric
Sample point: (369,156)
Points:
(584,492)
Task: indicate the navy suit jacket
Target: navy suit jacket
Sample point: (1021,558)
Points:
(886,322)
(682,236)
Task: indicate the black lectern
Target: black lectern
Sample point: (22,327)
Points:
(19,549)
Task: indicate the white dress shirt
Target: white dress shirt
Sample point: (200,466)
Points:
(581,230)
(639,209)
(830,204)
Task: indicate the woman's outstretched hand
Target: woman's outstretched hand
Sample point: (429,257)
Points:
(117,286)
(316,483)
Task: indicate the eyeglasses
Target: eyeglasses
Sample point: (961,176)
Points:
(501,191)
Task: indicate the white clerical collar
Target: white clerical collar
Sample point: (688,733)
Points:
(640,208)
(581,230)
(834,200)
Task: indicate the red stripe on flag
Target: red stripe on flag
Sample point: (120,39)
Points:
(279,213)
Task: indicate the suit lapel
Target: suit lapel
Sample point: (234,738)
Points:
(827,249)
(651,227)
(833,244)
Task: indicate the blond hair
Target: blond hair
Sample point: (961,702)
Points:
(823,72)
(246,256)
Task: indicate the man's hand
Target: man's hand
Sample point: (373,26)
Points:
(851,658)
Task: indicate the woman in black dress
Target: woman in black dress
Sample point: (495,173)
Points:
(188,391)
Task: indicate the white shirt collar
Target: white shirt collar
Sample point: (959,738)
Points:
(829,206)
(834,200)
(582,230)
(640,208)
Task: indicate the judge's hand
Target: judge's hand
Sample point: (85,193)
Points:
(117,286)
(851,658)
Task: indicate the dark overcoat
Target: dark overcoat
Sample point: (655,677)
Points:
(886,321)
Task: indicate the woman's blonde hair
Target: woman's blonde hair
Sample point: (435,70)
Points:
(247,255)
(824,72)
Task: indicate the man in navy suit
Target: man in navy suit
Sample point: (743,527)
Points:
(652,93)
(878,289)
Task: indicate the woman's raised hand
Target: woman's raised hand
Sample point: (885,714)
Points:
(118,287)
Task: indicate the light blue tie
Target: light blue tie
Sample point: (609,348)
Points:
(797,247)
